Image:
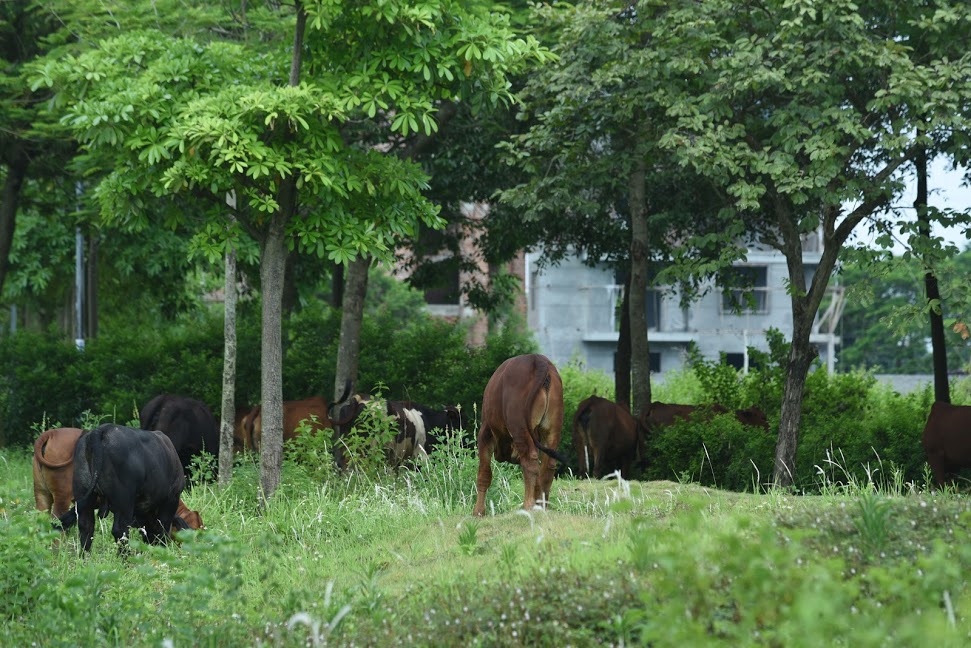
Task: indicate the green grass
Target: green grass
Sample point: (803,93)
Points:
(398,560)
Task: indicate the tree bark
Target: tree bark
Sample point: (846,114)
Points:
(337,286)
(640,362)
(91,288)
(228,416)
(942,387)
(622,358)
(805,304)
(16,172)
(352,316)
(273,261)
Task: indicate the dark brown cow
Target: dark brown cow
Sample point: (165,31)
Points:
(294,413)
(54,469)
(947,440)
(752,417)
(606,438)
(663,414)
(522,414)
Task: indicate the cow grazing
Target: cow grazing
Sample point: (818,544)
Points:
(312,410)
(522,415)
(136,474)
(606,438)
(242,422)
(663,414)
(186,518)
(415,423)
(752,417)
(947,440)
(54,469)
(187,422)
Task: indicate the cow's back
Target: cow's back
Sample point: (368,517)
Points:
(525,392)
(187,422)
(53,469)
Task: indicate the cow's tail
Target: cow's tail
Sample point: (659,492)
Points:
(39,452)
(582,416)
(93,458)
(559,456)
(544,384)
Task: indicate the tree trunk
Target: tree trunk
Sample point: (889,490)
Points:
(337,286)
(801,356)
(290,293)
(228,416)
(16,172)
(640,351)
(91,288)
(352,316)
(942,387)
(273,263)
(273,259)
(622,357)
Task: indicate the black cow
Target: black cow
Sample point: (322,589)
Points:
(415,424)
(136,474)
(187,422)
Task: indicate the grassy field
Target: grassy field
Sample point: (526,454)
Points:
(398,560)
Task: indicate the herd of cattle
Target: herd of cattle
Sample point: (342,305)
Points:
(139,474)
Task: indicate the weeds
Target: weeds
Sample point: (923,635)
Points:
(469,538)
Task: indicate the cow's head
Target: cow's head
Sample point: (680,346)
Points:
(343,413)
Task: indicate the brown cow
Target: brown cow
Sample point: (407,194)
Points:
(54,472)
(522,413)
(54,469)
(606,438)
(191,518)
(947,440)
(664,414)
(294,413)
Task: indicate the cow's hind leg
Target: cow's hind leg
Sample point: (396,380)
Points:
(84,510)
(486,444)
(529,461)
(123,508)
(939,468)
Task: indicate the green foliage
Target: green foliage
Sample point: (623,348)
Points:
(469,538)
(312,450)
(873,520)
(720,452)
(579,383)
(366,444)
(885,324)
(42,377)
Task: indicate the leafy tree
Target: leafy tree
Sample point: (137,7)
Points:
(807,114)
(300,144)
(882,325)
(594,179)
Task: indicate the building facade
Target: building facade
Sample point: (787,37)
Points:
(573,309)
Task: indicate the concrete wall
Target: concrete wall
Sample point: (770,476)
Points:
(573,310)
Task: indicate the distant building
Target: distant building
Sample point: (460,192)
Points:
(573,310)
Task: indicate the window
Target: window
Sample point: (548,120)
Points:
(747,290)
(653,301)
(654,361)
